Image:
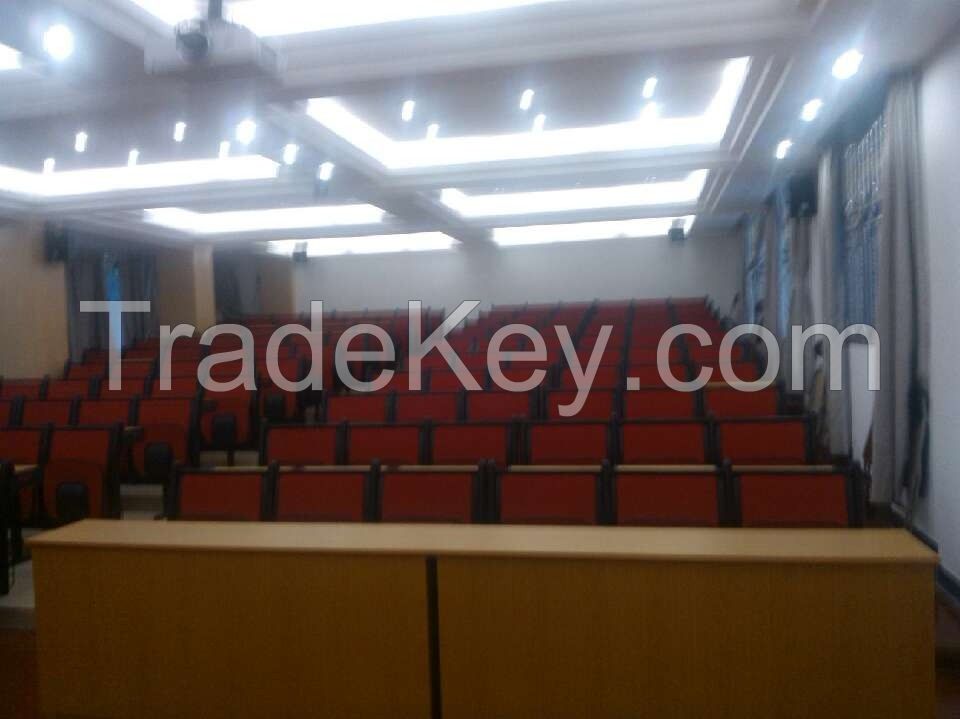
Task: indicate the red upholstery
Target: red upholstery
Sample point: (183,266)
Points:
(104,411)
(744,371)
(228,496)
(6,412)
(777,442)
(731,402)
(87,370)
(22,446)
(81,456)
(38,411)
(647,354)
(470,443)
(548,498)
(289,400)
(664,443)
(497,406)
(166,421)
(301,446)
(68,388)
(129,388)
(180,388)
(608,377)
(357,408)
(567,443)
(417,407)
(391,445)
(793,500)
(599,405)
(682,500)
(26,388)
(320,496)
(659,403)
(237,403)
(649,374)
(427,497)
(447,381)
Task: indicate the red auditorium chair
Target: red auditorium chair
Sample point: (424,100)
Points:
(771,440)
(26,446)
(373,408)
(744,371)
(25,388)
(661,404)
(440,407)
(729,401)
(325,494)
(60,412)
(227,420)
(530,495)
(446,380)
(180,388)
(79,477)
(607,377)
(501,406)
(432,494)
(578,443)
(166,428)
(85,370)
(676,441)
(302,446)
(399,444)
(70,388)
(796,497)
(648,354)
(668,496)
(710,354)
(10,412)
(599,405)
(454,444)
(94,412)
(222,495)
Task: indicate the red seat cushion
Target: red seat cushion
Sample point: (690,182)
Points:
(780,442)
(68,388)
(357,408)
(320,496)
(302,446)
(732,402)
(497,406)
(390,445)
(427,497)
(38,411)
(682,500)
(664,443)
(470,443)
(548,498)
(228,496)
(600,404)
(794,500)
(659,403)
(568,443)
(28,388)
(438,407)
(94,412)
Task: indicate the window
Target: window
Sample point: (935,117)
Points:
(862,168)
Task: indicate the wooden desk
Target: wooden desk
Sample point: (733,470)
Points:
(180,619)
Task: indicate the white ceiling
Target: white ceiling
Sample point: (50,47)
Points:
(587,61)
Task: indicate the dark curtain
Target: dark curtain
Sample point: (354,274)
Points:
(85,283)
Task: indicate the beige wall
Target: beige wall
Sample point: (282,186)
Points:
(33,313)
(185,286)
(276,284)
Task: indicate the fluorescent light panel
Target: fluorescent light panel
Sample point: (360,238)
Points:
(847,65)
(10,59)
(678,192)
(365,245)
(650,88)
(283,218)
(588,231)
(811,110)
(706,130)
(140,177)
(783,149)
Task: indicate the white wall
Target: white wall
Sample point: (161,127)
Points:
(614,269)
(940,130)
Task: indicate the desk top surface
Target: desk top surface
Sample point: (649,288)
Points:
(861,546)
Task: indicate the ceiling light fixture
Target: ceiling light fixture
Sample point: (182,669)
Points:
(58,42)
(706,131)
(246,131)
(526,99)
(290,153)
(49,165)
(680,192)
(588,231)
(650,88)
(80,142)
(366,245)
(224,152)
(284,218)
(811,110)
(406,112)
(10,59)
(847,65)
(539,122)
(783,149)
(133,157)
(433,129)
(650,112)
(325,173)
(179,131)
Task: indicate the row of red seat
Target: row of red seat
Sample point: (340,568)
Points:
(754,441)
(638,496)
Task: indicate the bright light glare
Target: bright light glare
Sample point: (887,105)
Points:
(526,100)
(170,12)
(58,42)
(140,177)
(80,143)
(10,59)
(650,88)
(811,110)
(179,131)
(783,149)
(224,152)
(539,122)
(246,132)
(847,65)
(406,112)
(433,129)
(650,112)
(290,154)
(706,130)
(284,218)
(326,171)
(588,231)
(679,192)
(366,245)
(133,158)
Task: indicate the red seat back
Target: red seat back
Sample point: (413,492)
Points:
(548,498)
(424,496)
(662,499)
(391,444)
(599,405)
(104,411)
(220,496)
(38,411)
(470,443)
(415,407)
(567,443)
(781,441)
(26,388)
(68,388)
(301,446)
(794,500)
(676,442)
(22,446)
(498,406)
(7,412)
(732,402)
(337,496)
(660,404)
(81,456)
(357,408)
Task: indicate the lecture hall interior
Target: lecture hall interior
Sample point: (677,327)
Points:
(479,359)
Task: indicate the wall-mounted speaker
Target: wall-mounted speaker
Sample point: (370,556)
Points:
(55,245)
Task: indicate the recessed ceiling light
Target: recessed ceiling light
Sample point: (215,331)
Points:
(246,131)
(783,149)
(365,245)
(49,165)
(539,122)
(847,65)
(588,231)
(650,112)
(325,172)
(224,151)
(290,153)
(179,131)
(650,88)
(284,218)
(406,112)
(133,157)
(80,142)
(10,59)
(433,129)
(58,42)
(526,99)
(811,110)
